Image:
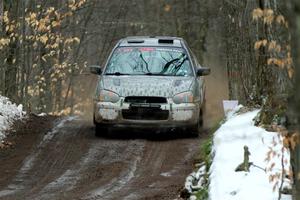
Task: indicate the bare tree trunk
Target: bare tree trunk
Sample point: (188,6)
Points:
(295,105)
(1,14)
(76,54)
(11,62)
(297,156)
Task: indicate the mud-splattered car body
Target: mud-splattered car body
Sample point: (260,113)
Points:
(150,82)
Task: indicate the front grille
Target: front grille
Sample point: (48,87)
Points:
(142,113)
(143,100)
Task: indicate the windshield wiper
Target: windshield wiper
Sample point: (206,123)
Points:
(177,66)
(168,64)
(157,74)
(117,74)
(147,65)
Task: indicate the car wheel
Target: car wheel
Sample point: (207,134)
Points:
(196,129)
(100,130)
(201,120)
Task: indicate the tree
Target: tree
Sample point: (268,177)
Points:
(37,51)
(296,155)
(294,112)
(259,53)
(46,46)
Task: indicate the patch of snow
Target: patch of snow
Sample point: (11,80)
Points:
(9,112)
(228,152)
(131,196)
(189,182)
(196,180)
(193,197)
(42,114)
(166,174)
(233,112)
(55,130)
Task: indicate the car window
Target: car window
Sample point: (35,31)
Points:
(149,60)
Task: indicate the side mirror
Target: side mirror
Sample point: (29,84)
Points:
(204,71)
(95,69)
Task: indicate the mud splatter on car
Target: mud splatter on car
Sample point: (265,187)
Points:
(150,82)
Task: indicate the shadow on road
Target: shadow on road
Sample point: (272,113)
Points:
(149,134)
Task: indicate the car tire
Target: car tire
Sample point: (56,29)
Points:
(196,129)
(201,118)
(100,130)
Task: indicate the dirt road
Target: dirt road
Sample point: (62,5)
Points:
(62,159)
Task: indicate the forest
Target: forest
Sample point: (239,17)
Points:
(47,46)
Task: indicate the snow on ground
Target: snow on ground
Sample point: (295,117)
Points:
(228,153)
(8,113)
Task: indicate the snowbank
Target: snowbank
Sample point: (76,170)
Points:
(8,113)
(228,151)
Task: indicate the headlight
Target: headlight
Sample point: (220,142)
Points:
(108,96)
(185,97)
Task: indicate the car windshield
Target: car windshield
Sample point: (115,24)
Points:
(156,61)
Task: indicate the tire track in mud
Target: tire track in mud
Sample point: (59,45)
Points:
(57,164)
(72,177)
(19,182)
(163,167)
(115,184)
(73,164)
(69,178)
(153,159)
(98,153)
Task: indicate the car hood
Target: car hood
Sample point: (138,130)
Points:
(146,85)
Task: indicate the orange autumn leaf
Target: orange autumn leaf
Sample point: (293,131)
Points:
(257,13)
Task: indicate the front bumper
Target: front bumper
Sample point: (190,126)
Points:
(179,115)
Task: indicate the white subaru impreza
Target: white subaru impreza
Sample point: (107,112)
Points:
(150,82)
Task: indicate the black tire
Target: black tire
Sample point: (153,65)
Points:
(201,117)
(100,130)
(196,129)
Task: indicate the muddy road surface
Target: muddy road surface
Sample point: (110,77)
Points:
(62,159)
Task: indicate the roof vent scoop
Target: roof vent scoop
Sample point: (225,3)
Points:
(135,41)
(166,41)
